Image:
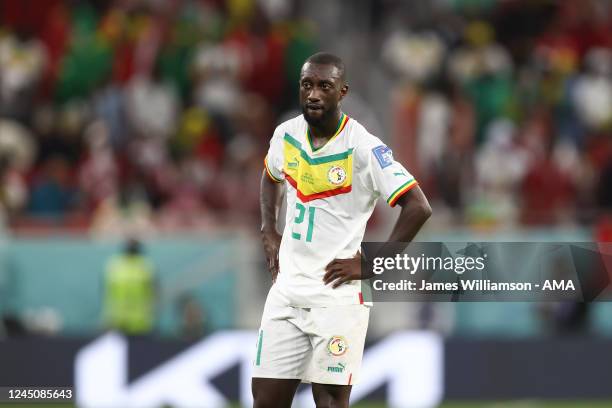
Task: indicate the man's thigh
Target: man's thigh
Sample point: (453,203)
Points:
(273,392)
(338,336)
(283,351)
(330,395)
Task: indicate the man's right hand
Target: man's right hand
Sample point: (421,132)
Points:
(271,241)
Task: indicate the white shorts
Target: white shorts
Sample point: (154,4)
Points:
(315,345)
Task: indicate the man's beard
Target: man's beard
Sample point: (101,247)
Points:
(317,122)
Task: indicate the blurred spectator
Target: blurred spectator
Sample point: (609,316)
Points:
(127,213)
(85,49)
(414,56)
(44,320)
(262,53)
(547,187)
(500,166)
(53,194)
(185,207)
(16,154)
(108,104)
(455,166)
(130,291)
(22,61)
(152,107)
(216,79)
(53,137)
(17,144)
(99,172)
(604,189)
(197,134)
(485,69)
(13,192)
(11,326)
(193,319)
(593,90)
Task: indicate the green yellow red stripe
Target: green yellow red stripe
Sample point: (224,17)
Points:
(306,198)
(341,125)
(316,160)
(404,188)
(274,179)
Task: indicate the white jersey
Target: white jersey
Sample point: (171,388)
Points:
(331,194)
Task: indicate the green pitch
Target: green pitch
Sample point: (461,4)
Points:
(514,404)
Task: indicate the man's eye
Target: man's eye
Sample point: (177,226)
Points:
(326,86)
(306,85)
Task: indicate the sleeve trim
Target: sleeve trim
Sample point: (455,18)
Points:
(269,173)
(403,189)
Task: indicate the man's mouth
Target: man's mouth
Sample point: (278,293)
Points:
(314,107)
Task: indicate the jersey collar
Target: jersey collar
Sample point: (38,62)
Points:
(341,125)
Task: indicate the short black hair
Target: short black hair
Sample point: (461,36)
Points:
(326,58)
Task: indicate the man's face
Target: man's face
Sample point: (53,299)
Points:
(321,90)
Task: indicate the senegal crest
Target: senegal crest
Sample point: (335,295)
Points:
(337,346)
(336,175)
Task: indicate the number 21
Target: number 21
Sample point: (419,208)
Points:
(300,218)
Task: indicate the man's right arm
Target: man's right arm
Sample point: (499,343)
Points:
(270,197)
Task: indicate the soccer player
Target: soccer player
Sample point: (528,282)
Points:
(314,321)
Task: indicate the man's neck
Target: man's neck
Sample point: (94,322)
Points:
(326,130)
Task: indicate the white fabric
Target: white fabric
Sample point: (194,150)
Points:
(294,343)
(339,221)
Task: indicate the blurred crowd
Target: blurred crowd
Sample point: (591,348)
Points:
(136,116)
(504,111)
(148,115)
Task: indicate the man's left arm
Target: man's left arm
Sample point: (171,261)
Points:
(391,181)
(415,211)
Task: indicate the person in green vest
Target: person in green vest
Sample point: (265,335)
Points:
(129,291)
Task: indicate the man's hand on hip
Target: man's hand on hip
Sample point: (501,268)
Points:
(340,271)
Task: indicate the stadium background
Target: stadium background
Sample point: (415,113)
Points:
(150,119)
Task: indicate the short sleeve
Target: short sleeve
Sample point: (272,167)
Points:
(274,160)
(390,178)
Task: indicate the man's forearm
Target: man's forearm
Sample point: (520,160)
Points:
(415,211)
(269,202)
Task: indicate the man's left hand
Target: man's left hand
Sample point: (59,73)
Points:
(340,271)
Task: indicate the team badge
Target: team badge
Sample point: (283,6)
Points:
(337,346)
(336,175)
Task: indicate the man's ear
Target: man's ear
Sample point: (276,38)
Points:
(344,90)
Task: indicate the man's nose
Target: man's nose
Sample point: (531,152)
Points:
(313,96)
